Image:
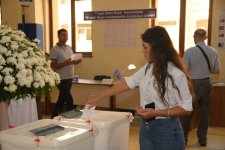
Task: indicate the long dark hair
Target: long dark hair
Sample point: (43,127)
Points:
(163,52)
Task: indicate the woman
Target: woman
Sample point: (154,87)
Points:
(164,86)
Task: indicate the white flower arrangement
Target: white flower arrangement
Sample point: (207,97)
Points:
(24,69)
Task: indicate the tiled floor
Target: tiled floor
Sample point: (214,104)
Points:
(216,138)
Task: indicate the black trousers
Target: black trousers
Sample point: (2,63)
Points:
(203,96)
(64,97)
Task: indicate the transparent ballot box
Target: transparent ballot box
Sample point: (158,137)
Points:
(48,134)
(113,129)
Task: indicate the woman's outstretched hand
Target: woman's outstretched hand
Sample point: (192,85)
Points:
(92,100)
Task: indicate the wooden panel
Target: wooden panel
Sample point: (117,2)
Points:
(217,114)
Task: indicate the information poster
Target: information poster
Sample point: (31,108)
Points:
(120,34)
(221,32)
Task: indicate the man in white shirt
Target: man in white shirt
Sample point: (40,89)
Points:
(60,55)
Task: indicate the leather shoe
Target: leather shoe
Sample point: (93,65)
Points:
(186,142)
(202,143)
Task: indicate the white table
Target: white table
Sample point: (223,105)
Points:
(18,112)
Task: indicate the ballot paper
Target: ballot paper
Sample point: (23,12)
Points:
(87,112)
(76,56)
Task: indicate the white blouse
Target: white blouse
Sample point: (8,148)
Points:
(148,94)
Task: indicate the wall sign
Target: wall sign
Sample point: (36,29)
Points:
(120,14)
(25,0)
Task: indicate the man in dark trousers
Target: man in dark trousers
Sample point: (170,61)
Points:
(201,61)
(60,55)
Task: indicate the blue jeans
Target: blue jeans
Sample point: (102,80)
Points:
(161,134)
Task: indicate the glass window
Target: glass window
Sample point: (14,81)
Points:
(64,17)
(83,28)
(197,13)
(168,16)
(61,12)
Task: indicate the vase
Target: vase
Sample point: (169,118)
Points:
(18,112)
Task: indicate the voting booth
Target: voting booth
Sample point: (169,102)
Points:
(113,128)
(48,134)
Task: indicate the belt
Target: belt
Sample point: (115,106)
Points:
(202,79)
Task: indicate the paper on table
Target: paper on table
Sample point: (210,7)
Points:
(76,56)
(87,112)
